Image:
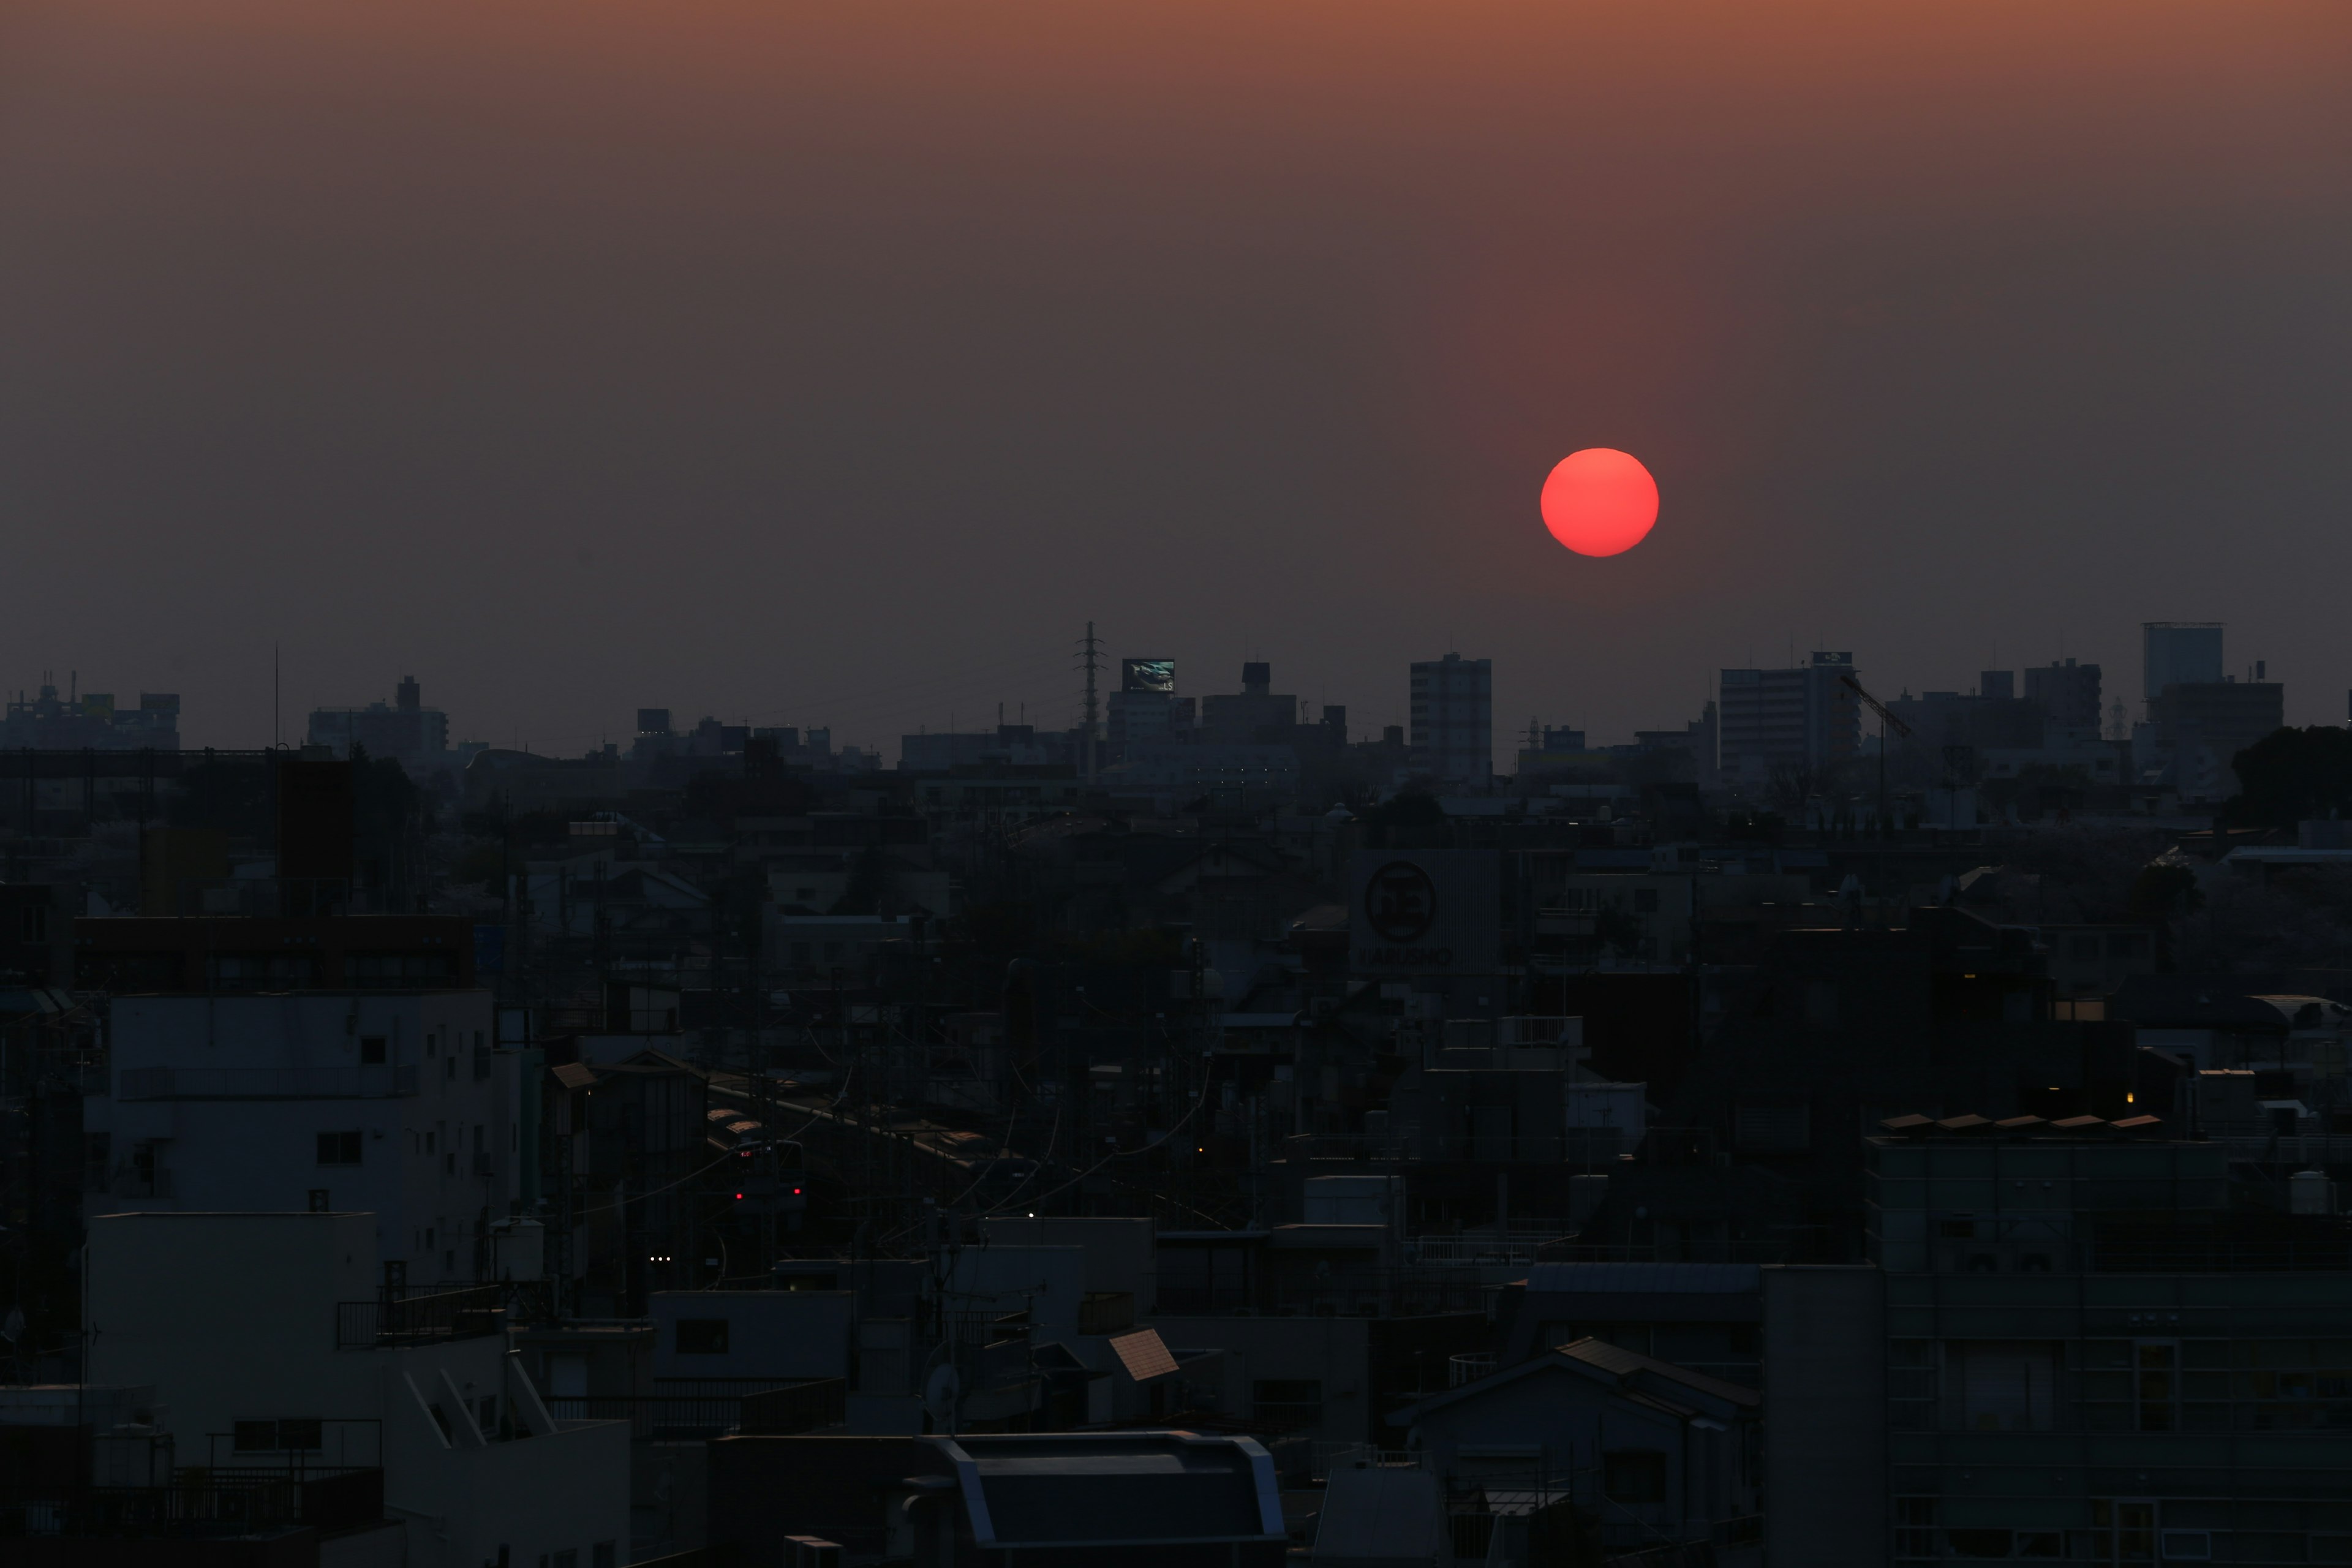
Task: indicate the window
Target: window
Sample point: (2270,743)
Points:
(339,1148)
(2123,1532)
(1914,1527)
(1645,900)
(703,1336)
(372,1052)
(601,1555)
(449,1164)
(1634,1475)
(567,1558)
(1999,1386)
(450,1065)
(2156,1383)
(2193,1545)
(486,1417)
(1296,1402)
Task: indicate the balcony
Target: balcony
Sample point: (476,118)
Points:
(198,1502)
(472,1312)
(267,1083)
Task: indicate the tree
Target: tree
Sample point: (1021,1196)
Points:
(2291,774)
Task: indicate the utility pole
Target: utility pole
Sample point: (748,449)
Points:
(1090,643)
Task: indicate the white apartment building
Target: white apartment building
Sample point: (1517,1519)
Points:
(267,1344)
(393,1104)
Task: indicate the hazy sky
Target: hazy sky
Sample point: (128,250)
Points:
(835,362)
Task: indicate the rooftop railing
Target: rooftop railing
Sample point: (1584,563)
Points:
(469,1314)
(198,1502)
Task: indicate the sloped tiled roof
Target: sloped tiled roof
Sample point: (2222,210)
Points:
(1143,1355)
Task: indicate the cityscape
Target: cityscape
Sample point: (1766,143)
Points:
(1180,785)
(1829,1130)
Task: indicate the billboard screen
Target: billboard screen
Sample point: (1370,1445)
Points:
(1146,675)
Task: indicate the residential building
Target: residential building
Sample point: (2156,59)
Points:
(276,1344)
(2179,653)
(2104,1345)
(2068,693)
(391,1104)
(1651,1452)
(1806,717)
(1453,719)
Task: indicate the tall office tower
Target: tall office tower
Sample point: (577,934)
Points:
(2179,653)
(1143,710)
(1805,716)
(1453,718)
(2068,692)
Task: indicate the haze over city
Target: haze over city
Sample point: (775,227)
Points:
(835,369)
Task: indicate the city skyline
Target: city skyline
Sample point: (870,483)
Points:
(494,341)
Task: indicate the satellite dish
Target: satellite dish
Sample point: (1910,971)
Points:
(941,1392)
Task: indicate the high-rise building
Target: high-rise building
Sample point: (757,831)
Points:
(1144,711)
(2068,692)
(1807,716)
(2179,653)
(1453,718)
(1256,715)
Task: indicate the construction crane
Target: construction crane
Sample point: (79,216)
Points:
(1887,721)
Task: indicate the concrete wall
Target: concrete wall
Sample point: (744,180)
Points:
(230,1316)
(1334,1351)
(1121,1254)
(769,1333)
(1824,1417)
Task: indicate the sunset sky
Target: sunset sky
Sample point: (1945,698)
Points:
(835,363)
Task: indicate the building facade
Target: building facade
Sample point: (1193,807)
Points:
(1805,717)
(1453,718)
(2103,1347)
(414,736)
(2179,653)
(2068,693)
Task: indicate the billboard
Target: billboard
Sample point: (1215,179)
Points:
(1426,911)
(1146,675)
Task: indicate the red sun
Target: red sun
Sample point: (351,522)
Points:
(1600,501)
